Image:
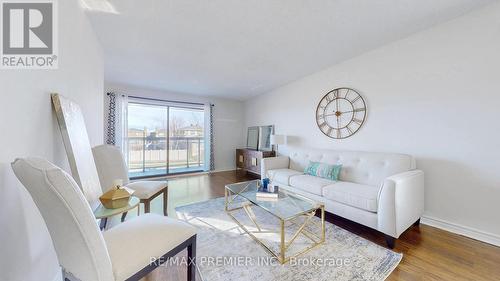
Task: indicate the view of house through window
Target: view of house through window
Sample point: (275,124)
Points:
(164,139)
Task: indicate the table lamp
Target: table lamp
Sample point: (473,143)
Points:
(277,140)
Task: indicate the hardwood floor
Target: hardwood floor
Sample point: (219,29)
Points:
(428,253)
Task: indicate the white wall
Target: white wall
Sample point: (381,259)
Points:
(229,130)
(435,95)
(29,128)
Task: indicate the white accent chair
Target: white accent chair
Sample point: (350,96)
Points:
(111,165)
(128,251)
(383,191)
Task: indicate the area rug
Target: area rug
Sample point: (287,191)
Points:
(226,253)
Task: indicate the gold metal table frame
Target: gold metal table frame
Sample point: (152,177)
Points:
(281,256)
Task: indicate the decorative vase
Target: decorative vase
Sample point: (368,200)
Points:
(115,198)
(265,183)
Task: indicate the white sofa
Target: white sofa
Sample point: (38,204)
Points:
(383,191)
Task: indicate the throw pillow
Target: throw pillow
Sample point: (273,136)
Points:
(323,170)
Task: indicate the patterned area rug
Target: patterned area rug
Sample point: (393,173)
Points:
(226,253)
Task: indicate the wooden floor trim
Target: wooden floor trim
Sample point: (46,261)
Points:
(466,231)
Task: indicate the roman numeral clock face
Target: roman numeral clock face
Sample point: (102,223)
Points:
(340,113)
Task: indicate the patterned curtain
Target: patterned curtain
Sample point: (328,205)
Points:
(111,122)
(212,144)
(116,128)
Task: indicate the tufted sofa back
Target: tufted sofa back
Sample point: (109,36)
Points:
(369,168)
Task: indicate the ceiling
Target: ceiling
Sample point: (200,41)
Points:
(239,49)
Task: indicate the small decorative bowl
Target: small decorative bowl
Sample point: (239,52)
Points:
(115,198)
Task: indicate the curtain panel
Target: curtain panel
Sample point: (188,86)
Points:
(209,132)
(116,121)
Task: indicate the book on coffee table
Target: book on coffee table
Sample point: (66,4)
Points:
(267,199)
(268,194)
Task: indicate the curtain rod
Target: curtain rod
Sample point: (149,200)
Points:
(152,99)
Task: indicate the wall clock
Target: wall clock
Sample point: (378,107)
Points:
(340,113)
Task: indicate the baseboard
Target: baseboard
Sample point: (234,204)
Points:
(466,231)
(223,170)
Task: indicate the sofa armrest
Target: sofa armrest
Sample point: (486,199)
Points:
(271,163)
(400,202)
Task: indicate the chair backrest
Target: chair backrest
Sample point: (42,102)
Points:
(110,165)
(79,244)
(78,148)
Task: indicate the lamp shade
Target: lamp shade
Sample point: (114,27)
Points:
(277,139)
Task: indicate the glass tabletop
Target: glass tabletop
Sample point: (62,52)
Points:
(287,206)
(103,212)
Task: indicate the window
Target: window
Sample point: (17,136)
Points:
(164,139)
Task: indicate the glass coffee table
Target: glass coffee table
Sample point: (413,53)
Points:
(290,209)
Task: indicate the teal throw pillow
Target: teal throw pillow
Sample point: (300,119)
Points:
(323,170)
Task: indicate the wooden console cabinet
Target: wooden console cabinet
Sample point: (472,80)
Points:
(249,159)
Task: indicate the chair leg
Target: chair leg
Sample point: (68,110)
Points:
(147,207)
(124,215)
(103,223)
(191,268)
(165,202)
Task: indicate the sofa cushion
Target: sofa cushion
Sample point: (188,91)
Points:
(310,183)
(353,194)
(282,175)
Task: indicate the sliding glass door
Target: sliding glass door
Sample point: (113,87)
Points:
(164,139)
(186,139)
(147,140)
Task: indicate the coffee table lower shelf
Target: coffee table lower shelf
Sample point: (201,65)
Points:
(281,256)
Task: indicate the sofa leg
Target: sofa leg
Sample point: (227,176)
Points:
(390,241)
(417,223)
